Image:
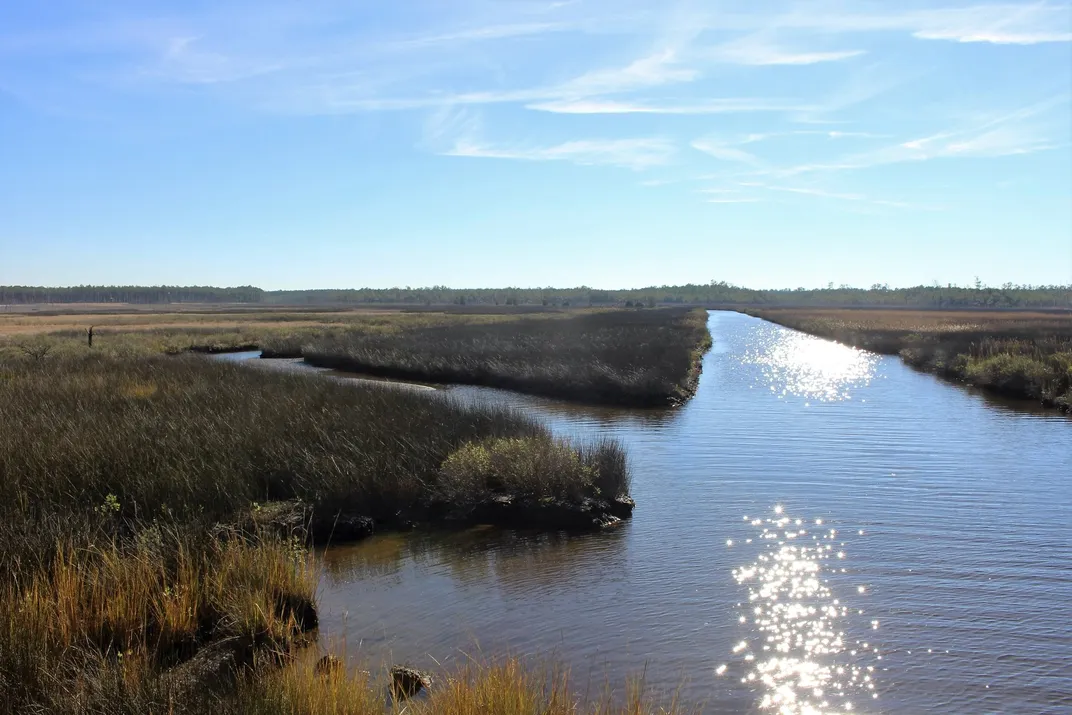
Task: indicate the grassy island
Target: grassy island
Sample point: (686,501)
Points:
(630,357)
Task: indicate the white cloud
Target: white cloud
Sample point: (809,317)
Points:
(489,32)
(654,70)
(636,154)
(1008,23)
(758,50)
(1022,131)
(712,106)
(724,152)
(839,196)
(1022,24)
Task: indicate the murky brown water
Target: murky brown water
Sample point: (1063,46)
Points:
(819,529)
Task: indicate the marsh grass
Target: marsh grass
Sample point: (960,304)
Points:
(126,480)
(106,618)
(640,358)
(632,357)
(191,438)
(507,686)
(1017,354)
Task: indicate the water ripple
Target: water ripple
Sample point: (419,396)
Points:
(798,655)
(806,366)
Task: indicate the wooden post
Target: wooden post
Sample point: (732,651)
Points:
(90,331)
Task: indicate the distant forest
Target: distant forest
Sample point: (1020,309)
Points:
(709,294)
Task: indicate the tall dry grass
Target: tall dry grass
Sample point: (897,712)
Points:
(637,357)
(119,476)
(508,686)
(193,439)
(107,618)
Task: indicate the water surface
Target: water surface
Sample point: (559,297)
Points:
(820,529)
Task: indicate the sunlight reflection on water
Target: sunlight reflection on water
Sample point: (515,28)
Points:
(805,366)
(797,654)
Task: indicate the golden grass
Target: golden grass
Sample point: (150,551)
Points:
(69,318)
(507,686)
(157,597)
(127,611)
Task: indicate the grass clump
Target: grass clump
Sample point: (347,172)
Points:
(533,467)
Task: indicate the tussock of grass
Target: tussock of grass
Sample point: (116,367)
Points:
(530,466)
(1021,355)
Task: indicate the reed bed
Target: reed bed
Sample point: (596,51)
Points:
(629,357)
(137,497)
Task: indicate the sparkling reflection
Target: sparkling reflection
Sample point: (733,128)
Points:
(797,655)
(805,366)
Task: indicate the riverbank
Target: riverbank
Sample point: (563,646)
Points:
(1021,355)
(157,509)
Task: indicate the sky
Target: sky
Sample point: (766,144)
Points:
(609,143)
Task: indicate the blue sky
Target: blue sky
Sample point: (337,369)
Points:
(611,143)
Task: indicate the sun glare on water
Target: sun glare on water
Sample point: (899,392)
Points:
(805,366)
(797,656)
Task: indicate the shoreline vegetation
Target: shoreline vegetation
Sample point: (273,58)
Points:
(156,512)
(1021,355)
(638,358)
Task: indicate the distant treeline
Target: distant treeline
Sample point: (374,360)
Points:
(130,294)
(714,293)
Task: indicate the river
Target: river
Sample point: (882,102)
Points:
(819,529)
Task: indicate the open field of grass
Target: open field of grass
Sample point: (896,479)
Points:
(154,508)
(1025,355)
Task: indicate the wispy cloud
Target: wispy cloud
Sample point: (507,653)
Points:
(840,196)
(655,70)
(1022,131)
(759,50)
(488,32)
(1017,24)
(711,106)
(636,154)
(1008,23)
(725,152)
(187,60)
